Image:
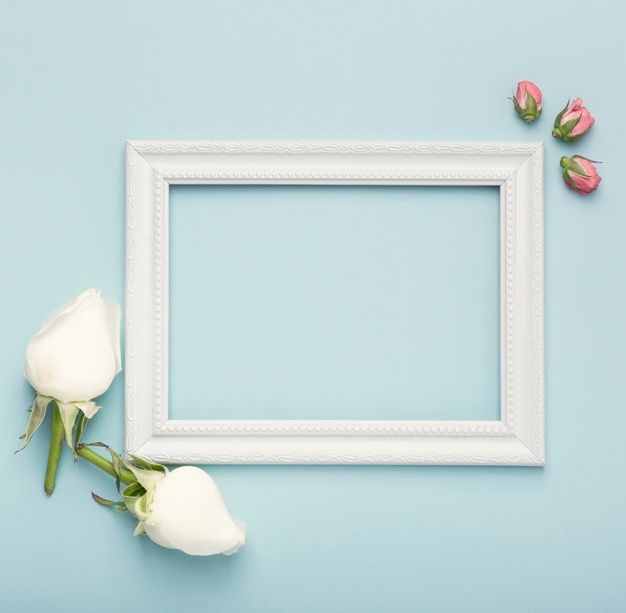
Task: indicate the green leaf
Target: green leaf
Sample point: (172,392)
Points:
(37,415)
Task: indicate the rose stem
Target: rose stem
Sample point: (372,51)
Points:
(126,476)
(54,454)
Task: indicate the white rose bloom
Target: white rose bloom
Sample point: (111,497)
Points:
(76,353)
(185,511)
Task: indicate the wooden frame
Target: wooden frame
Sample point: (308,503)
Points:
(516,439)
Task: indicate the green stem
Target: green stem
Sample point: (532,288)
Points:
(57,437)
(126,476)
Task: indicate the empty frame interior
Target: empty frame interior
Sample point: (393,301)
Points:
(334,302)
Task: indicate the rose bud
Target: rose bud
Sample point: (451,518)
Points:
(70,361)
(186,512)
(573,122)
(527,101)
(179,509)
(580,174)
(76,353)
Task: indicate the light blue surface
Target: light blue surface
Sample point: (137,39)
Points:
(334,302)
(79,78)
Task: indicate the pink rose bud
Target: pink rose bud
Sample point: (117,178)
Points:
(573,122)
(527,101)
(580,174)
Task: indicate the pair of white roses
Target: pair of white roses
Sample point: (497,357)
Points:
(72,360)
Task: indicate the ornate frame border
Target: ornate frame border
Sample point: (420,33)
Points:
(516,439)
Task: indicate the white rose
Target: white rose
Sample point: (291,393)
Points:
(186,512)
(76,353)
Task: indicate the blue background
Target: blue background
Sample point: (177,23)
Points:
(79,78)
(334,302)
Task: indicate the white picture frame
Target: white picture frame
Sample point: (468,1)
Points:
(517,438)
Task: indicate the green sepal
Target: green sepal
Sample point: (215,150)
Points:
(88,407)
(569,163)
(529,118)
(118,506)
(116,459)
(567,178)
(69,413)
(538,114)
(75,415)
(518,109)
(137,501)
(147,478)
(578,169)
(567,128)
(557,119)
(81,425)
(582,157)
(137,495)
(572,139)
(140,508)
(118,464)
(141,463)
(140,529)
(132,492)
(37,414)
(148,474)
(532,113)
